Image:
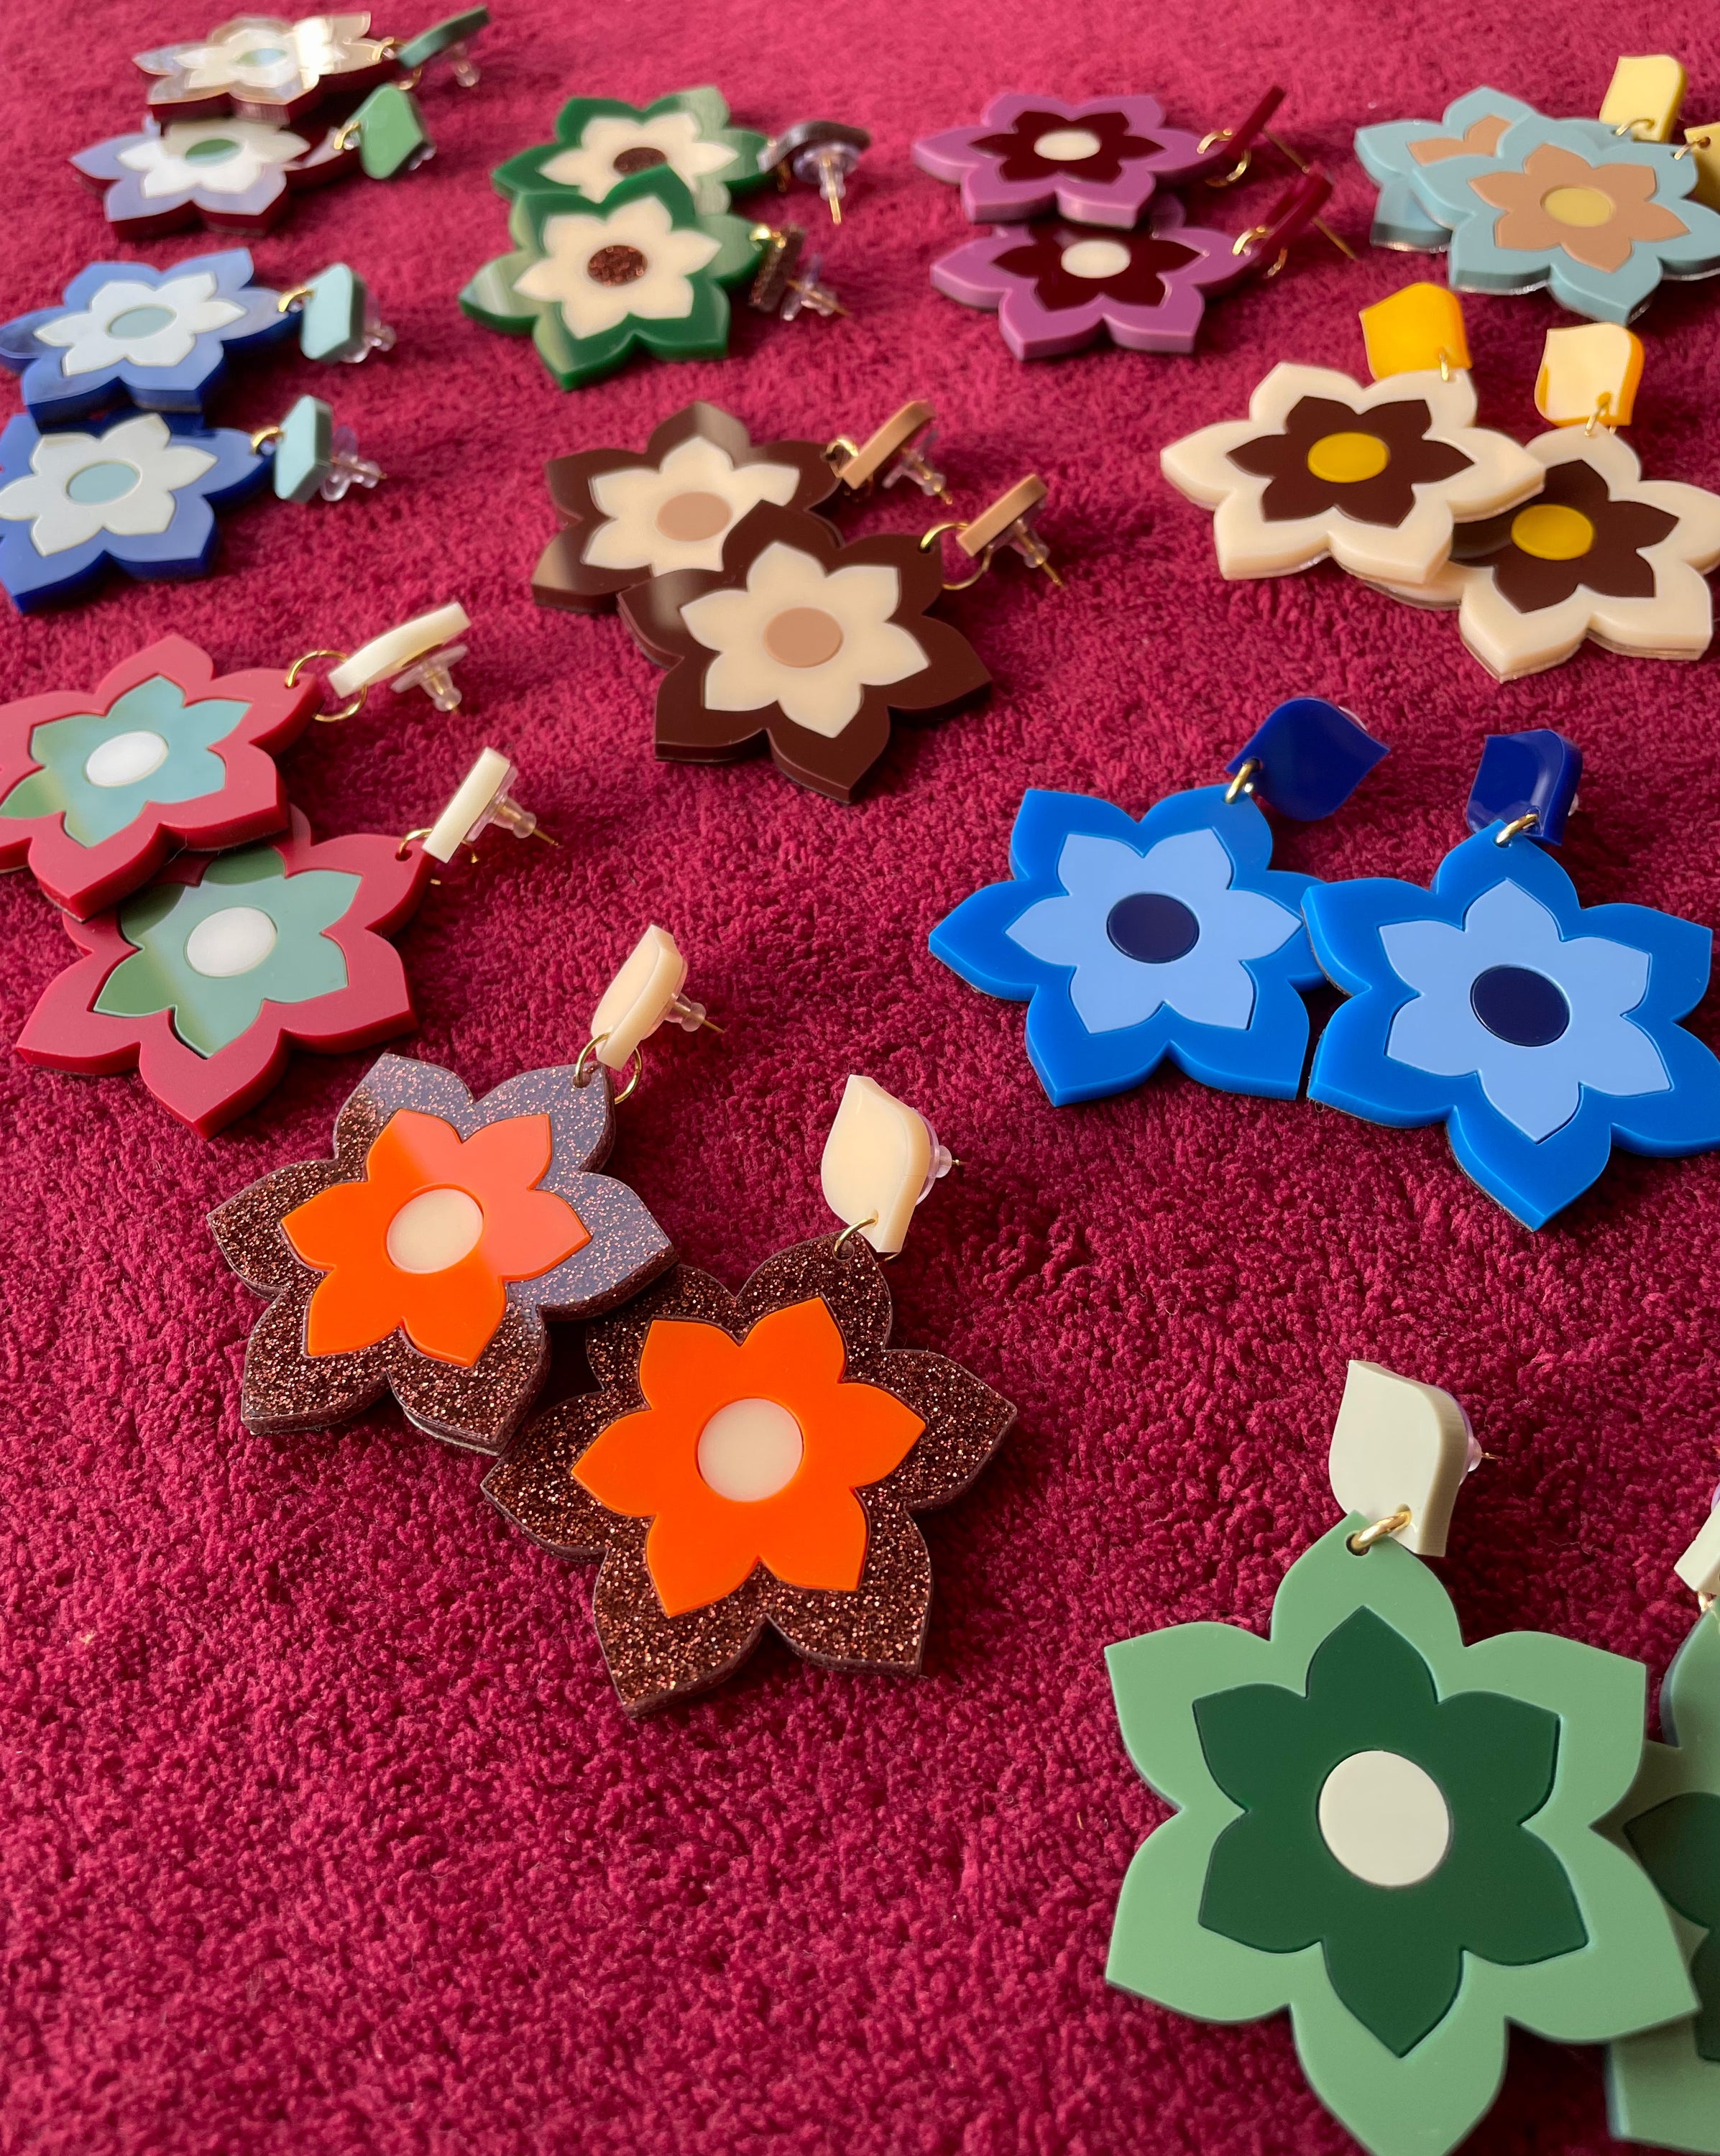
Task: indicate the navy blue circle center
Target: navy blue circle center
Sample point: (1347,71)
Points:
(1153,926)
(1521,1006)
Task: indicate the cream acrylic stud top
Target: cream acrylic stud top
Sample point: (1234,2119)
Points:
(881,1159)
(398,647)
(1589,372)
(1699,1568)
(481,799)
(645,994)
(1398,1445)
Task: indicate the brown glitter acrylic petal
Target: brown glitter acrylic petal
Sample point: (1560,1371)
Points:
(284,1389)
(851,1285)
(965,1422)
(880,1625)
(247,1226)
(653,1657)
(477,1410)
(533,1484)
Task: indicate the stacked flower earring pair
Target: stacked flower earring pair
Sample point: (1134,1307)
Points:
(772,628)
(1541,1033)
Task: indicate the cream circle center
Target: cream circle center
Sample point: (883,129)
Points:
(434,1231)
(750,1450)
(1068,146)
(122,759)
(1385,1818)
(229,942)
(1095,257)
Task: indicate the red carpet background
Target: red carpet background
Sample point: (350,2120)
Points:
(323,1829)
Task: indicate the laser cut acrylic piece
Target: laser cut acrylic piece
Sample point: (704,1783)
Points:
(1588,373)
(1392,1834)
(1397,1445)
(803,642)
(96,791)
(236,176)
(600,141)
(424,1257)
(205,979)
(878,1164)
(1643,96)
(1371,476)
(754,1460)
(265,67)
(629,515)
(1664,2088)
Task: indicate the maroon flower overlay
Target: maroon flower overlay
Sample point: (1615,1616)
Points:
(481,1377)
(801,642)
(1019,157)
(1291,460)
(699,472)
(1139,283)
(67,1032)
(809,1291)
(251,802)
(1612,565)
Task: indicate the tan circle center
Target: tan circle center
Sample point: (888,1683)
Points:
(695,515)
(802,636)
(1579,206)
(434,1231)
(1344,460)
(1551,532)
(616,265)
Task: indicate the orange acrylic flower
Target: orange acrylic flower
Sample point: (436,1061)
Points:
(428,1240)
(749,1453)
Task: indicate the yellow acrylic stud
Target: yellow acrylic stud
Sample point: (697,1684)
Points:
(1588,376)
(1703,144)
(1643,96)
(879,1160)
(1415,331)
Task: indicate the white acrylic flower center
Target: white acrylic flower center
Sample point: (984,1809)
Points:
(123,759)
(1068,146)
(1095,257)
(104,480)
(802,636)
(687,518)
(233,941)
(1385,1818)
(749,1450)
(434,1231)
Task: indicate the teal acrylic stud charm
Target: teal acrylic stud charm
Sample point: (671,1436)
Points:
(312,456)
(389,131)
(337,317)
(1387,1832)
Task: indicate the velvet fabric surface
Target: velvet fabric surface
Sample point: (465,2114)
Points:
(323,1828)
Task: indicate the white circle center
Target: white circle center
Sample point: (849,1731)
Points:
(750,1450)
(1385,1818)
(230,942)
(1068,146)
(1095,257)
(122,759)
(434,1231)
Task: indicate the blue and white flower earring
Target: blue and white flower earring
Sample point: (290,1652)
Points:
(1133,940)
(1541,1032)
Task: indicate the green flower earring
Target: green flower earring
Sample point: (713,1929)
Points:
(1389,1833)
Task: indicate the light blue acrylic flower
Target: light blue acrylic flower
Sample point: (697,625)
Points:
(1540,1031)
(1135,941)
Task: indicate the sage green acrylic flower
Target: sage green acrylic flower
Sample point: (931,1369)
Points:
(214,953)
(1391,1835)
(101,770)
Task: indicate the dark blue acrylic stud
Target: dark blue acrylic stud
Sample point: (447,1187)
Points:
(1535,773)
(1308,757)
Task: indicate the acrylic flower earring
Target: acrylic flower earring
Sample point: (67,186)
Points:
(1134,943)
(1390,1833)
(756,1459)
(1540,1032)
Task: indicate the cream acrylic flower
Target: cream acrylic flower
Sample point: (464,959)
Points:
(1372,476)
(599,270)
(123,481)
(637,536)
(210,156)
(612,147)
(144,325)
(250,54)
(808,642)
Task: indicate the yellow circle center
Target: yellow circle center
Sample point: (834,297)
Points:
(1579,206)
(1342,460)
(1551,532)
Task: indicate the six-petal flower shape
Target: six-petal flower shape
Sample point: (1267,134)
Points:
(754,1460)
(96,791)
(1600,552)
(802,641)
(1096,163)
(600,141)
(1540,1031)
(1599,225)
(1373,476)
(424,1257)
(590,282)
(236,175)
(205,978)
(629,514)
(140,495)
(1393,1835)
(159,337)
(1136,943)
(267,67)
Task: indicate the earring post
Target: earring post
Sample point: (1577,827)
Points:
(1319,224)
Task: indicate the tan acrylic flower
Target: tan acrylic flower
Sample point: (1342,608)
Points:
(1595,212)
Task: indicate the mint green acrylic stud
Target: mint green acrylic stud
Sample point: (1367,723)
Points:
(304,450)
(332,318)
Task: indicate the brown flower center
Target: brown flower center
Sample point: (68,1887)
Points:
(616,265)
(1552,532)
(639,159)
(1585,206)
(1347,458)
(802,636)
(693,515)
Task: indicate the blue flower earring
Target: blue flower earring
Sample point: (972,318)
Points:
(1133,940)
(1541,1032)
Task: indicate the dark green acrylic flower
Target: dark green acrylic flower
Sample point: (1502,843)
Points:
(1393,1954)
(1678,1846)
(600,141)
